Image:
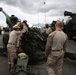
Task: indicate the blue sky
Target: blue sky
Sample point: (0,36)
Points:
(34,11)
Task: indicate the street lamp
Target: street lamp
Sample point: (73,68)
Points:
(38,17)
(45,11)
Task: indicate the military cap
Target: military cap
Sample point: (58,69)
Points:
(16,26)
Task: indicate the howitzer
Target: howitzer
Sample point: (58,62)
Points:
(72,15)
(70,26)
(10,20)
(33,44)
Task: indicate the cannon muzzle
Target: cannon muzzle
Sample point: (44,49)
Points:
(67,13)
(0,8)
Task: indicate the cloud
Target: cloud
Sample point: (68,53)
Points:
(2,23)
(33,6)
(34,10)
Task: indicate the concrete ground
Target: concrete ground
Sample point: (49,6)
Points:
(69,67)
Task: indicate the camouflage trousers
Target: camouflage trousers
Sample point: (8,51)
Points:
(55,62)
(11,50)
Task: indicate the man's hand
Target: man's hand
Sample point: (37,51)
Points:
(47,54)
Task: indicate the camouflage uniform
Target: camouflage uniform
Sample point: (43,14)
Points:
(43,30)
(19,37)
(56,43)
(5,41)
(11,54)
(12,44)
(48,30)
(19,41)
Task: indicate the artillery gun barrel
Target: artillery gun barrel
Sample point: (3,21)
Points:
(67,13)
(7,17)
(1,9)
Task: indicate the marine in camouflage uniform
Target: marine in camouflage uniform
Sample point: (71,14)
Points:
(55,46)
(5,40)
(46,29)
(19,40)
(12,43)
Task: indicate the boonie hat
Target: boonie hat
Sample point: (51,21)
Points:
(22,55)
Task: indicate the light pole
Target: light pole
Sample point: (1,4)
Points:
(38,17)
(45,11)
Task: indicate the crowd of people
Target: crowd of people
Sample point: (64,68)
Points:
(54,49)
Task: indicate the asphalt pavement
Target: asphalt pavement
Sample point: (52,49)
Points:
(69,65)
